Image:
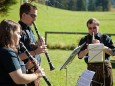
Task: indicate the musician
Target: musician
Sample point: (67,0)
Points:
(12,69)
(93,27)
(28,14)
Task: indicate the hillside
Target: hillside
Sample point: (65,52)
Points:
(56,19)
(53,19)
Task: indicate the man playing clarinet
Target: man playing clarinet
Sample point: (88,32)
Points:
(28,14)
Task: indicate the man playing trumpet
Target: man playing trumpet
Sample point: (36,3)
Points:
(94,37)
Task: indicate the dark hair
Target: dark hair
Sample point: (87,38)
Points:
(26,7)
(7,28)
(93,20)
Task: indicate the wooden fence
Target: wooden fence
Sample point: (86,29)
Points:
(82,33)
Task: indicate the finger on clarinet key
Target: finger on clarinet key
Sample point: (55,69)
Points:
(29,65)
(40,72)
(41,41)
(39,50)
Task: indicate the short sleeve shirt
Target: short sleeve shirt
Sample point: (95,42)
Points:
(9,62)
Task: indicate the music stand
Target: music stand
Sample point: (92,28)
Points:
(72,56)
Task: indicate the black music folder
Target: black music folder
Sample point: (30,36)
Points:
(72,56)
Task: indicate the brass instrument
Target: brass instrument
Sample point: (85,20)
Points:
(93,36)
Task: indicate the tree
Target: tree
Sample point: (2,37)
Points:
(58,4)
(64,3)
(106,5)
(103,5)
(70,4)
(5,5)
(81,5)
(51,3)
(91,5)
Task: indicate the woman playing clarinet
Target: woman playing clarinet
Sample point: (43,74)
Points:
(12,68)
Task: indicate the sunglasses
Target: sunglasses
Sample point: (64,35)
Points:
(32,15)
(90,28)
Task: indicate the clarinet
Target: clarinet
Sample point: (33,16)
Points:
(35,67)
(47,56)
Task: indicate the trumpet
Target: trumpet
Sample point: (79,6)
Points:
(47,55)
(93,36)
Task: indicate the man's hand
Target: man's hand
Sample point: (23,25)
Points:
(95,41)
(108,51)
(41,41)
(41,49)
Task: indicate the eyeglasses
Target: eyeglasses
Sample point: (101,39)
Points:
(32,15)
(90,28)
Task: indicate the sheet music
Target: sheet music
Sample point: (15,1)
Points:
(86,78)
(96,53)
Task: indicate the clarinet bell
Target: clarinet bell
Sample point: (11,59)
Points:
(51,67)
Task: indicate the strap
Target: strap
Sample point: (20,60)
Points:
(27,35)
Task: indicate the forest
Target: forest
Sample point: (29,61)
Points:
(82,5)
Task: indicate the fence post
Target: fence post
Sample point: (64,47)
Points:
(46,38)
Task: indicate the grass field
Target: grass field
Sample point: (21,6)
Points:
(57,77)
(53,19)
(74,70)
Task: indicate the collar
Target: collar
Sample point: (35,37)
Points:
(24,26)
(97,35)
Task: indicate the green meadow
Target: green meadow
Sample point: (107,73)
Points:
(53,19)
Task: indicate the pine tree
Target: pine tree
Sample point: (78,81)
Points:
(91,5)
(5,5)
(70,4)
(103,5)
(81,5)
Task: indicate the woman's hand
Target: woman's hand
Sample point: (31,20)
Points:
(30,65)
